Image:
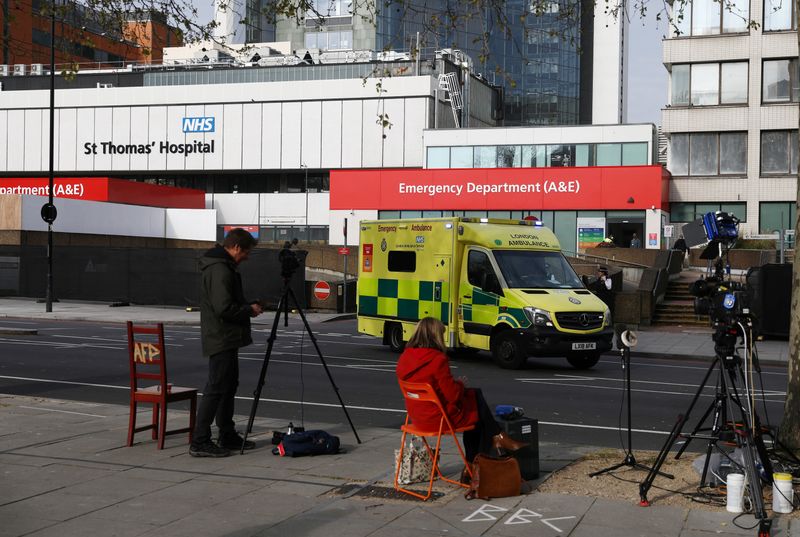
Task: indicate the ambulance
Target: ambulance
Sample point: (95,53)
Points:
(497,285)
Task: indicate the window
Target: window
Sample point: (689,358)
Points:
(780,81)
(402,261)
(485,157)
(776,215)
(609,154)
(634,154)
(680,85)
(679,154)
(330,40)
(733,83)
(708,84)
(438,157)
(779,152)
(508,156)
(560,155)
(779,15)
(461,157)
(329,8)
(705,84)
(478,268)
(708,153)
(688,212)
(733,153)
(709,17)
(703,154)
(533,156)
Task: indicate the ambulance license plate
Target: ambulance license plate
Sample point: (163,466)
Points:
(584,346)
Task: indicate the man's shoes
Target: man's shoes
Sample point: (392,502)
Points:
(503,442)
(233,441)
(209,449)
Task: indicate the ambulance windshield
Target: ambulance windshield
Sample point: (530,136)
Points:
(536,270)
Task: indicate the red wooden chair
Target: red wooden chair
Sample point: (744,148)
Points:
(424,392)
(148,362)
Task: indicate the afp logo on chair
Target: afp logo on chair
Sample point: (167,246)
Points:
(198,124)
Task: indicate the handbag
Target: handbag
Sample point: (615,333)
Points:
(416,465)
(494,477)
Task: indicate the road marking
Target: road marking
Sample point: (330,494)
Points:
(522,517)
(547,521)
(62,411)
(620,389)
(484,512)
(330,405)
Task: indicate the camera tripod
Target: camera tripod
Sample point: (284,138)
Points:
(283,307)
(625,340)
(726,405)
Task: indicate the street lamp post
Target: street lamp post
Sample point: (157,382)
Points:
(49,210)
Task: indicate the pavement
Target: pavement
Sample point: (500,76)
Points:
(66,471)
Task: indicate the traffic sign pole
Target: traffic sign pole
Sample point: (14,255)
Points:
(344,282)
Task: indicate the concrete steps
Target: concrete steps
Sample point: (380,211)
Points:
(678,306)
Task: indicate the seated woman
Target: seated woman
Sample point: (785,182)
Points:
(425,361)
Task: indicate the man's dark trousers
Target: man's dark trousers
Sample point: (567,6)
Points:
(218,396)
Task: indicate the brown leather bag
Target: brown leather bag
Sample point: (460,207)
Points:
(494,477)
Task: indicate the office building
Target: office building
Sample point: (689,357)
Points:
(563,66)
(732,115)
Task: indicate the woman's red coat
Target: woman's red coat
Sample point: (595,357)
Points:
(431,366)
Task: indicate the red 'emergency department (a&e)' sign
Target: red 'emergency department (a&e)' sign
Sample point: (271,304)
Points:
(598,187)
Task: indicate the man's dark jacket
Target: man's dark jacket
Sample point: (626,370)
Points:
(224,312)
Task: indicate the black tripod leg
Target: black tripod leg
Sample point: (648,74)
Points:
(694,402)
(645,485)
(324,364)
(263,374)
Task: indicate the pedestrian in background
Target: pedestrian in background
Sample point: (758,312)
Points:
(224,328)
(635,242)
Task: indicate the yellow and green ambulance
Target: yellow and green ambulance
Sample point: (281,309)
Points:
(497,285)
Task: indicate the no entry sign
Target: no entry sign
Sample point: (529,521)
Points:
(322,290)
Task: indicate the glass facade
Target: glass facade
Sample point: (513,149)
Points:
(539,156)
(680,212)
(539,59)
(776,215)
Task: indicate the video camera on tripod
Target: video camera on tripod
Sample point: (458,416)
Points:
(288,259)
(723,301)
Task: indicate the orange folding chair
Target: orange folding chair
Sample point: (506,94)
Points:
(424,392)
(148,362)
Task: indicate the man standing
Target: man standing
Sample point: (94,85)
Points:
(635,242)
(224,327)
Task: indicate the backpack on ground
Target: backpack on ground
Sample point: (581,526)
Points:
(314,442)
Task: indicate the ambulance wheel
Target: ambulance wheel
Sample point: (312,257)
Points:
(507,352)
(583,361)
(394,337)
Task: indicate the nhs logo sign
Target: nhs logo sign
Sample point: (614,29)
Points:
(198,124)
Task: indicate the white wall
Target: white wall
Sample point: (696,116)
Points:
(608,78)
(336,224)
(275,125)
(101,218)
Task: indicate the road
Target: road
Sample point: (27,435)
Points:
(88,362)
